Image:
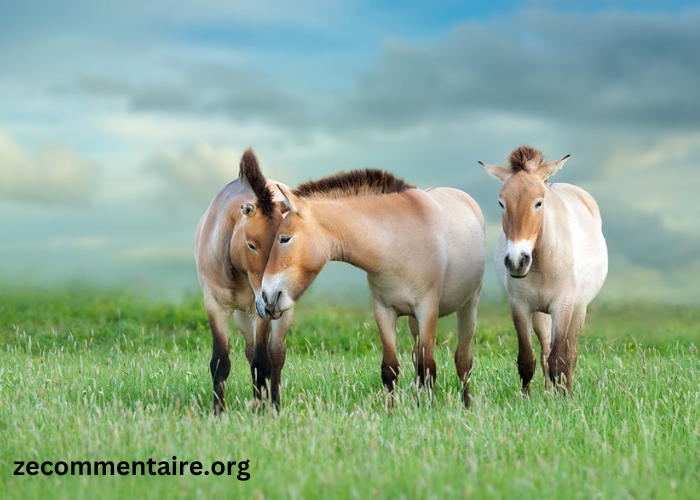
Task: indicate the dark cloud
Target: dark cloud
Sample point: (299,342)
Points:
(608,69)
(599,70)
(644,239)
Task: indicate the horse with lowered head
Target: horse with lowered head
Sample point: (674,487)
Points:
(552,259)
(232,244)
(423,251)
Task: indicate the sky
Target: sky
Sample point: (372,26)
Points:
(120,121)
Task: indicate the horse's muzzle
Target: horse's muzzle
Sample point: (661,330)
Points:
(518,267)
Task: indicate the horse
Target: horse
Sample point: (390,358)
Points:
(232,245)
(552,259)
(423,251)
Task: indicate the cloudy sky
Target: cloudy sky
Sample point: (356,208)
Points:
(120,121)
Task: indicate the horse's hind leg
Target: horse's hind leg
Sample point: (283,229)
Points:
(522,319)
(386,322)
(427,324)
(577,321)
(415,331)
(542,323)
(466,326)
(220,364)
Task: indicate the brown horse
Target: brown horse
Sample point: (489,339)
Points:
(232,245)
(551,258)
(423,251)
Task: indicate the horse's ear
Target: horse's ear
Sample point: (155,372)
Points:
(291,201)
(547,170)
(248,209)
(500,173)
(282,206)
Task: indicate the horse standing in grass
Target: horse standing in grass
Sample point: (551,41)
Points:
(551,258)
(232,245)
(424,253)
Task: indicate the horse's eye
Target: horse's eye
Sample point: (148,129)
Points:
(538,205)
(285,239)
(501,205)
(252,247)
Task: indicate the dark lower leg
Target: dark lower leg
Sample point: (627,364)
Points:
(261,364)
(522,319)
(390,370)
(220,367)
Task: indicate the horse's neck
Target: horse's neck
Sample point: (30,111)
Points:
(353,231)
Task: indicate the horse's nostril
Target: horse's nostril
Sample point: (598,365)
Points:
(526,258)
(507,262)
(264,296)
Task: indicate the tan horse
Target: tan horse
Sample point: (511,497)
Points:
(232,245)
(423,251)
(551,258)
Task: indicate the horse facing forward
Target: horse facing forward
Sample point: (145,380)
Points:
(551,258)
(424,253)
(232,244)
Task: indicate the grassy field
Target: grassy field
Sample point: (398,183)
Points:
(104,375)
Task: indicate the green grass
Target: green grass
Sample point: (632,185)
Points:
(106,375)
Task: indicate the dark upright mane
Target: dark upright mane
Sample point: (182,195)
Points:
(365,182)
(250,173)
(525,158)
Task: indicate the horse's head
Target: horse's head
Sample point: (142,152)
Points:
(522,200)
(296,258)
(252,240)
(256,226)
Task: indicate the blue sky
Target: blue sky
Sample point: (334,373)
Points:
(119,122)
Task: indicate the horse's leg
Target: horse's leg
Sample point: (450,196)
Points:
(542,323)
(522,319)
(415,331)
(220,364)
(261,364)
(427,323)
(278,353)
(577,320)
(466,325)
(386,322)
(558,362)
(245,325)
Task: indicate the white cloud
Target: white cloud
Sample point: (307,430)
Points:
(198,172)
(56,175)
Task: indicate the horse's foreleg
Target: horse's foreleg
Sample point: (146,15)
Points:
(427,323)
(220,364)
(522,319)
(542,323)
(386,322)
(261,364)
(278,353)
(466,325)
(558,358)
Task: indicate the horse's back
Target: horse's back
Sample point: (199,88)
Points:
(589,247)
